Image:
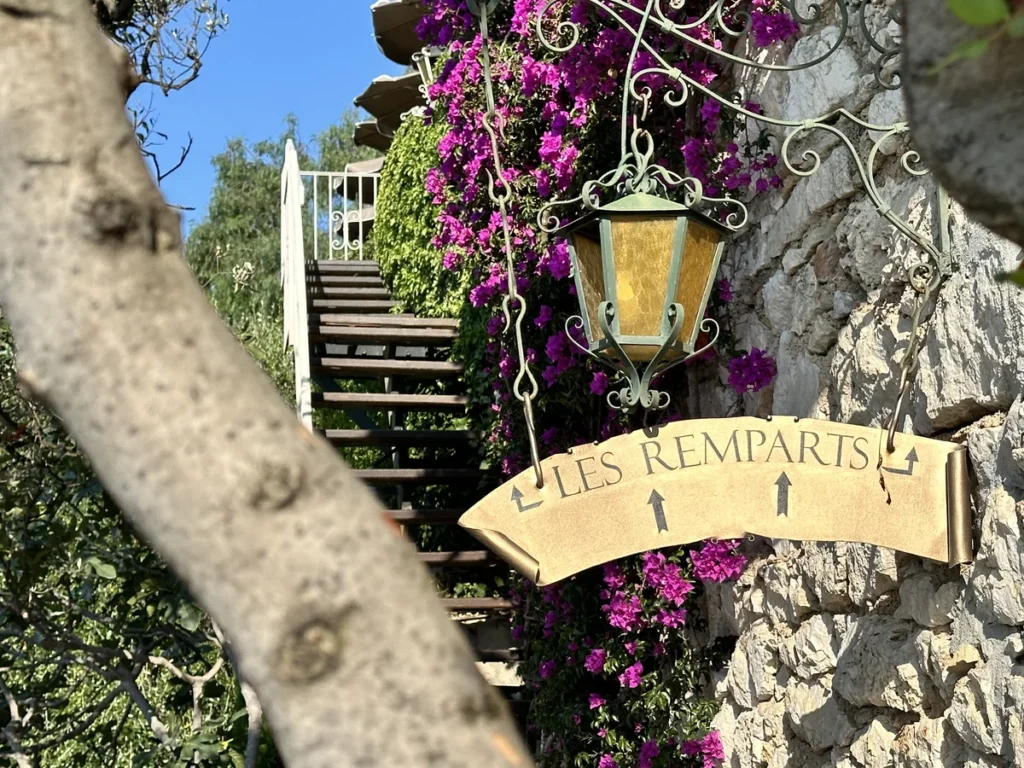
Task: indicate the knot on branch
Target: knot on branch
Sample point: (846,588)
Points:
(313,648)
(278,485)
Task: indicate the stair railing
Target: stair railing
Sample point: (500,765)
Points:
(293,279)
(343,221)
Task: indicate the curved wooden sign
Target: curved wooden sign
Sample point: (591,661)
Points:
(783,478)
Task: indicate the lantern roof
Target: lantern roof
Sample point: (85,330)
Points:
(639,203)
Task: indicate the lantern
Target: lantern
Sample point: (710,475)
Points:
(644,268)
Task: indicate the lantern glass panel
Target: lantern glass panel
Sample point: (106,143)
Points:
(642,250)
(699,262)
(590,274)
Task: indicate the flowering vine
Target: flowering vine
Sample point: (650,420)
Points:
(617,677)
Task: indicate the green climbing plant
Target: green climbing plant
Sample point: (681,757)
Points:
(407,221)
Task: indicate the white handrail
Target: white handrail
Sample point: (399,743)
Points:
(293,278)
(347,225)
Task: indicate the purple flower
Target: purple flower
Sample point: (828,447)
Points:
(723,286)
(718,561)
(606,761)
(631,677)
(631,647)
(751,372)
(648,751)
(599,384)
(595,660)
(596,701)
(709,747)
(544,315)
(549,435)
(671,619)
(602,732)
(613,576)
(623,612)
(768,25)
(547,669)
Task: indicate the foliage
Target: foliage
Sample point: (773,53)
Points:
(100,643)
(998,18)
(235,250)
(166,41)
(1016,277)
(406,223)
(558,128)
(84,609)
(614,658)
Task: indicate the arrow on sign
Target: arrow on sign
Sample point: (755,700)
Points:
(911,461)
(658,502)
(784,485)
(517,497)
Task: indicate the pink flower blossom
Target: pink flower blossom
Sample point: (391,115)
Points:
(632,676)
(751,372)
(595,660)
(718,561)
(596,701)
(547,669)
(708,747)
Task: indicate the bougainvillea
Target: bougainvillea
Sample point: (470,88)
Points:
(618,679)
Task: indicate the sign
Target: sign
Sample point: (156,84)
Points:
(783,478)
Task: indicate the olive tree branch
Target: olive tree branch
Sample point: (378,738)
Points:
(333,621)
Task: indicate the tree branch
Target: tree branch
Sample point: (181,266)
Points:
(128,684)
(335,624)
(254,729)
(12,730)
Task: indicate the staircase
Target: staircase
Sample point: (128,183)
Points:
(373,366)
(382,388)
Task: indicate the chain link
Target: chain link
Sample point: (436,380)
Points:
(494,124)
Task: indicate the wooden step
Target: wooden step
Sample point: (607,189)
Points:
(476,604)
(346,281)
(382,321)
(408,438)
(352,305)
(506,655)
(342,367)
(358,294)
(339,266)
(339,334)
(418,476)
(389,402)
(464,559)
(426,516)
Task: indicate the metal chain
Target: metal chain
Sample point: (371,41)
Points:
(494,124)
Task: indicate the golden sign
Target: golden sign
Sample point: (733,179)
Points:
(783,478)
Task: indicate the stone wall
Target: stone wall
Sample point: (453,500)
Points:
(850,655)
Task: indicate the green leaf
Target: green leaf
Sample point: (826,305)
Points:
(1016,277)
(980,13)
(103,570)
(1015,26)
(969,49)
(189,617)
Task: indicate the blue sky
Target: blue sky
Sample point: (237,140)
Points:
(307,57)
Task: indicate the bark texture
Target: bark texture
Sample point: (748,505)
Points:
(333,621)
(965,118)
